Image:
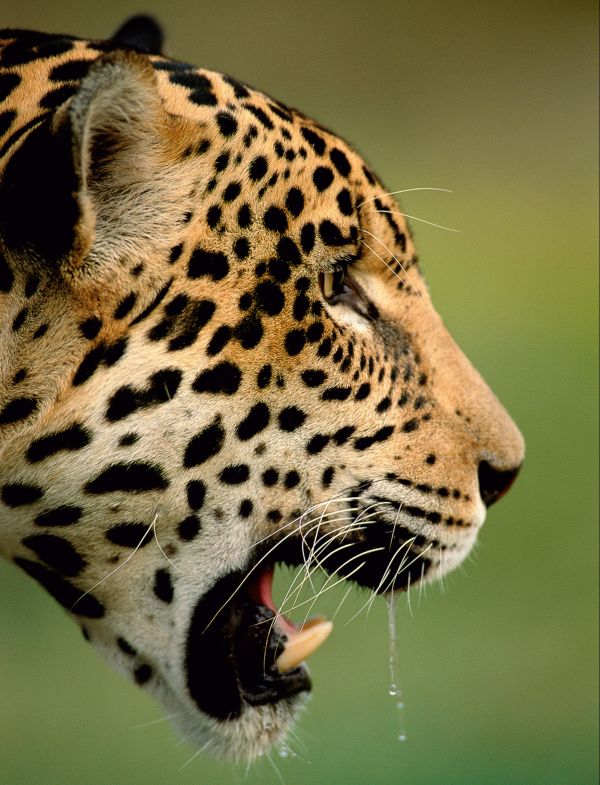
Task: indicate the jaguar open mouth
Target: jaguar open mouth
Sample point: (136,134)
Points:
(242,651)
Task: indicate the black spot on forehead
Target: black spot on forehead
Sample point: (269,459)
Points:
(8,82)
(314,140)
(260,115)
(71,71)
(227,124)
(34,46)
(322,178)
(340,161)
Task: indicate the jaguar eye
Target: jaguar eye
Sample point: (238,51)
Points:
(332,283)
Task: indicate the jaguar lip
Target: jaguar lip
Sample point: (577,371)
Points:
(242,651)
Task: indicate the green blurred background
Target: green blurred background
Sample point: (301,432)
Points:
(497,101)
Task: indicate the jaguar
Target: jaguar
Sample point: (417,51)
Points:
(218,355)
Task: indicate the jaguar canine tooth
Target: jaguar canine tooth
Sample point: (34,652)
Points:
(303,643)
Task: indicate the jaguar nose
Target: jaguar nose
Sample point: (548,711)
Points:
(493,483)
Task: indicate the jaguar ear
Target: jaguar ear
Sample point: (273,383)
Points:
(104,178)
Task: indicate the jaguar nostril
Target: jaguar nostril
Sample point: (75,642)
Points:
(493,484)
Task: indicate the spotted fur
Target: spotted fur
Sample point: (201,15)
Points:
(178,386)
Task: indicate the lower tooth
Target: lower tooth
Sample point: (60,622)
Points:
(303,643)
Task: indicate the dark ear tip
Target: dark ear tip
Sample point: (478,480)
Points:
(142,33)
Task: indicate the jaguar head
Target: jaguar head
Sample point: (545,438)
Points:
(219,355)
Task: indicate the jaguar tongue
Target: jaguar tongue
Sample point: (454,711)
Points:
(300,642)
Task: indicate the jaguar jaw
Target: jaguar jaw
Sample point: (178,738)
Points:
(243,652)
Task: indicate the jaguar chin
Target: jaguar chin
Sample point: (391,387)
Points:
(218,355)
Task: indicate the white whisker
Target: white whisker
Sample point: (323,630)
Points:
(422,220)
(403,191)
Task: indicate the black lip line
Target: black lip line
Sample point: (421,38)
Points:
(229,661)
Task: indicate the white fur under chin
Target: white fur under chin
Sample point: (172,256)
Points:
(244,739)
